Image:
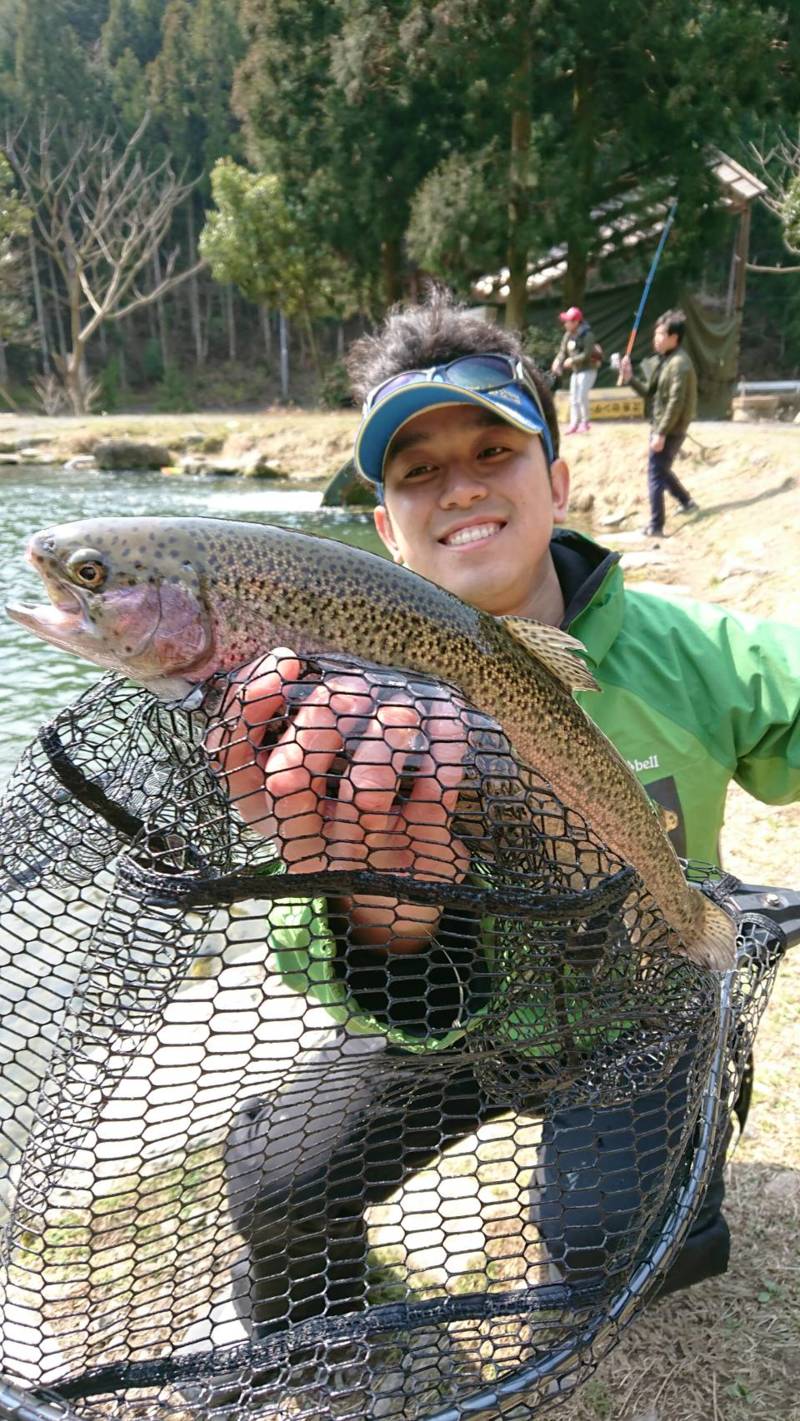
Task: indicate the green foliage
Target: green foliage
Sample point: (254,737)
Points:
(54,74)
(790,215)
(253,240)
(190,79)
(329,104)
(334,390)
(453,227)
(172,394)
(132,27)
(467,137)
(593,106)
(110,381)
(152,364)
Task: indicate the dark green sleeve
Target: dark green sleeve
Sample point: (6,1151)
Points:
(678,379)
(645,382)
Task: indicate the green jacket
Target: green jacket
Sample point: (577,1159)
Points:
(671,386)
(578,347)
(692,696)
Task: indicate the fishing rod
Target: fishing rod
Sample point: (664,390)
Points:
(637,320)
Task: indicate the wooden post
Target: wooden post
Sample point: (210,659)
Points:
(741,255)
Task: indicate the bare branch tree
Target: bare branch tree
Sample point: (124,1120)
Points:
(779,165)
(101,215)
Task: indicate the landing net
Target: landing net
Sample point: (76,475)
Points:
(255,1164)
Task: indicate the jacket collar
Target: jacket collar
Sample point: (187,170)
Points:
(593,589)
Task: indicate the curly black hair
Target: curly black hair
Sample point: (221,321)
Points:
(433,332)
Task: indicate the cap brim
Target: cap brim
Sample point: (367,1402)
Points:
(512,404)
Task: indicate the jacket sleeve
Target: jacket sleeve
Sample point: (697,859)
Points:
(645,382)
(678,378)
(764,696)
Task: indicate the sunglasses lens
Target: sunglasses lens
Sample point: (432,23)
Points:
(406,377)
(480,372)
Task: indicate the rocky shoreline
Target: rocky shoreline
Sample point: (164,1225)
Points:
(289,445)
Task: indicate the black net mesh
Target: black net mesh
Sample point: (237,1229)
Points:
(409,1130)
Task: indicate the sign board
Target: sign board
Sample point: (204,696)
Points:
(623,403)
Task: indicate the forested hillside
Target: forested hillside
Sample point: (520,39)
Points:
(203,200)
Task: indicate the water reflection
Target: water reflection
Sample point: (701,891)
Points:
(39,679)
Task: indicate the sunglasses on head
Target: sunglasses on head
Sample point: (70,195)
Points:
(481,373)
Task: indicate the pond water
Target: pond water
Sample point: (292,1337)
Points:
(39,679)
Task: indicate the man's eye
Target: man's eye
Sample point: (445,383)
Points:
(419,471)
(493,451)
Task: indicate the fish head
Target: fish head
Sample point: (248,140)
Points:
(123,596)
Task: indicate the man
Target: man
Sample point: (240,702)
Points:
(577,356)
(460,442)
(671,386)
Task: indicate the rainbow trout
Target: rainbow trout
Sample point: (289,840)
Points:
(170,601)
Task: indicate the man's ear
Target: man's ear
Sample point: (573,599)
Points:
(383,527)
(559,484)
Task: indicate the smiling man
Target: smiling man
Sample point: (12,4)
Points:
(459,440)
(473,504)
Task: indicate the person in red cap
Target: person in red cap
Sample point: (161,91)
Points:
(576,355)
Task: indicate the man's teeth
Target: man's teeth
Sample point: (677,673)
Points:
(472,535)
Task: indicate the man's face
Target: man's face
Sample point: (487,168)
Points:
(663,341)
(469,505)
(571,326)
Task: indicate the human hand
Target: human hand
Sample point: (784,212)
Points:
(356,769)
(657,443)
(625,368)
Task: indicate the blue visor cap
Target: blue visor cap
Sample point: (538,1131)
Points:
(512,403)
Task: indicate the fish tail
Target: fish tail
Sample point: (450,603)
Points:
(713,942)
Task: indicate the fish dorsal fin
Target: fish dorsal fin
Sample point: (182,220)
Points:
(555,649)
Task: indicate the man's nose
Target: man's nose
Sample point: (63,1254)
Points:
(462,486)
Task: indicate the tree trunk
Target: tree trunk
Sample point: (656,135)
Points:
(313,348)
(74,362)
(340,341)
(575,275)
(229,321)
(3,363)
(283,328)
(578,240)
(519,191)
(390,272)
(266,331)
(62,339)
(74,378)
(37,301)
(160,315)
(194,292)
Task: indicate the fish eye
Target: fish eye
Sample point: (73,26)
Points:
(87,568)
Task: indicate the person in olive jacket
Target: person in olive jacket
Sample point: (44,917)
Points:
(670,385)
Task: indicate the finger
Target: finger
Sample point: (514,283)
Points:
(254,697)
(393,742)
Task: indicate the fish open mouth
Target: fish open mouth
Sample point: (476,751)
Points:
(60,620)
